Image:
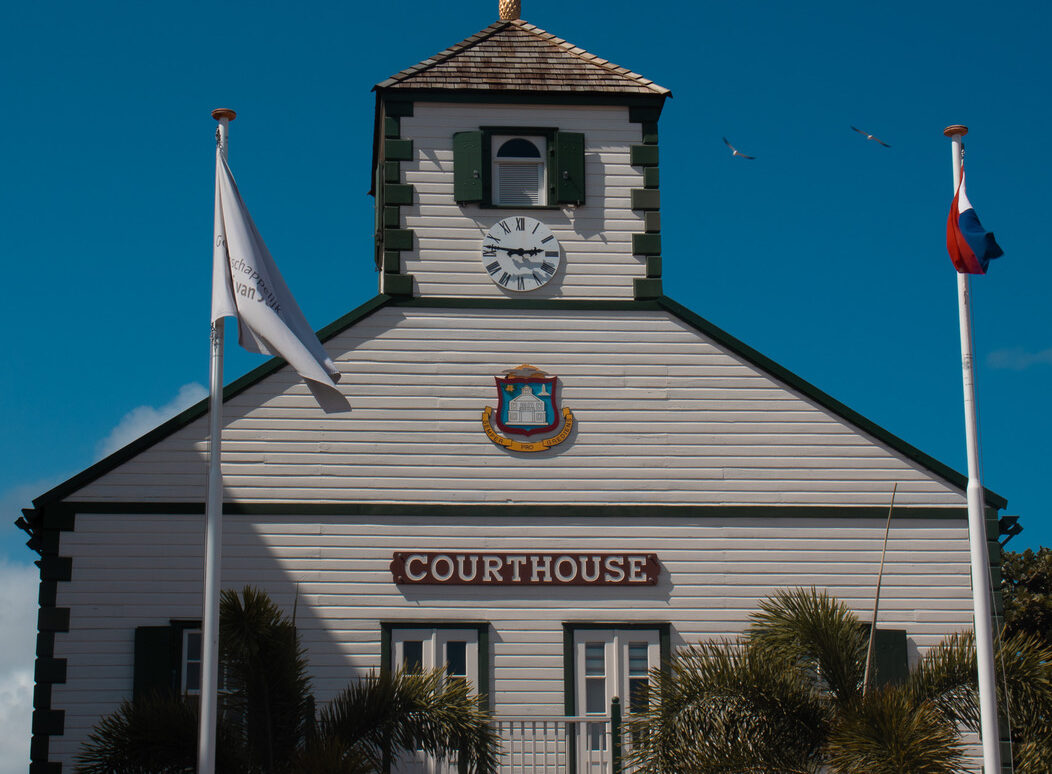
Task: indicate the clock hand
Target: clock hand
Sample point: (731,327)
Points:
(508,250)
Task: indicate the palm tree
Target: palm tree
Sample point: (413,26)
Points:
(789,697)
(267,722)
(375,720)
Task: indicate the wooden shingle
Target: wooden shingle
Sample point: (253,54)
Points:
(516,56)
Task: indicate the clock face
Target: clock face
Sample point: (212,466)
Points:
(520,253)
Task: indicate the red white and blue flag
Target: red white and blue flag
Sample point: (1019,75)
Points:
(971,247)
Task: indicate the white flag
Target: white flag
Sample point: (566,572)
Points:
(246,284)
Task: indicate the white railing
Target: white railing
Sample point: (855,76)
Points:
(545,744)
(549,745)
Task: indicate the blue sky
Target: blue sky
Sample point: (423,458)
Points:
(826,253)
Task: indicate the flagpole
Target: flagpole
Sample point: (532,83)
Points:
(980,554)
(206,753)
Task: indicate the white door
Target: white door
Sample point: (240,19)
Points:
(421,650)
(609,663)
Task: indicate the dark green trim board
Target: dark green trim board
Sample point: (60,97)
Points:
(398,284)
(646,199)
(400,108)
(481,628)
(651,178)
(47,669)
(397,194)
(644,288)
(350,508)
(646,244)
(641,107)
(398,150)
(653,267)
(48,514)
(642,114)
(398,239)
(570,628)
(644,155)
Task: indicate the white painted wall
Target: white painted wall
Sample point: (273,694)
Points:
(136,570)
(664,416)
(596,238)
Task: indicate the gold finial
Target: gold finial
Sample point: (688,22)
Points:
(509,9)
(950,131)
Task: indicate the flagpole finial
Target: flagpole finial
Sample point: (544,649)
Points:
(220,113)
(950,131)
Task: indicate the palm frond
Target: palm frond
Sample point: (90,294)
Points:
(723,707)
(889,733)
(156,734)
(267,680)
(391,713)
(812,631)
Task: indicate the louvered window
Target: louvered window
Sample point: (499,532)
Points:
(518,170)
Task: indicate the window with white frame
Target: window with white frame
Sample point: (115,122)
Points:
(419,650)
(519,170)
(190,668)
(610,663)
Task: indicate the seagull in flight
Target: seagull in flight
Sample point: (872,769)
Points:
(735,151)
(868,136)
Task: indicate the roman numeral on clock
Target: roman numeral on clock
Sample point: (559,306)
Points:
(505,278)
(522,283)
(520,224)
(493,268)
(547,268)
(505,226)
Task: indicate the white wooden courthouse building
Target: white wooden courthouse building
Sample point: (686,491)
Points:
(551,475)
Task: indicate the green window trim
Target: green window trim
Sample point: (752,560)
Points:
(473,166)
(890,656)
(570,628)
(158,657)
(482,629)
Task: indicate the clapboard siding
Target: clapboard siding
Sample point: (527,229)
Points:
(663,416)
(713,573)
(596,237)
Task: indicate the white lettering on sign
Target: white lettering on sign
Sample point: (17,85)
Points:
(453,568)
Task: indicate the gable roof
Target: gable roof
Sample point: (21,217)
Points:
(515,56)
(722,338)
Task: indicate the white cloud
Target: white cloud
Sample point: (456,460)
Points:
(18,610)
(1018,359)
(141,420)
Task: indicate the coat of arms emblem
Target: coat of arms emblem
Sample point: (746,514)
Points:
(527,406)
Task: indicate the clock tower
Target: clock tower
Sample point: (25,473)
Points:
(516,165)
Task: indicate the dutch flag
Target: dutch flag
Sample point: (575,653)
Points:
(971,247)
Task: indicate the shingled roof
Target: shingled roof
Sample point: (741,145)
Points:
(516,56)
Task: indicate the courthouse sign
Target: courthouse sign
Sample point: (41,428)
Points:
(524,569)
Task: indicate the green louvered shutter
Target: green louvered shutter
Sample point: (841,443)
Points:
(568,171)
(889,656)
(467,166)
(154,663)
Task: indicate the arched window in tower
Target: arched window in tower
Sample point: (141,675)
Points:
(518,170)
